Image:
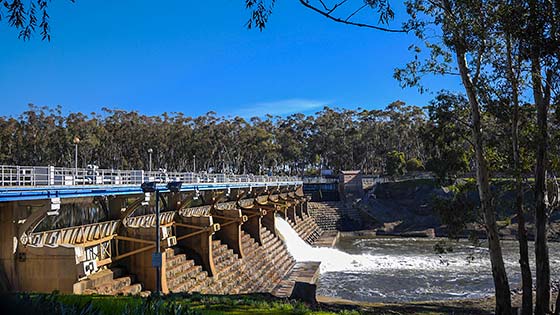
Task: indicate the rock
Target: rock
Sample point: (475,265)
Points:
(427,233)
(305,292)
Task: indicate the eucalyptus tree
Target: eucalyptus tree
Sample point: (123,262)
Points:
(508,83)
(542,38)
(293,136)
(446,136)
(466,29)
(8,127)
(372,135)
(27,17)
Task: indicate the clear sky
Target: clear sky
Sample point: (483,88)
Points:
(197,56)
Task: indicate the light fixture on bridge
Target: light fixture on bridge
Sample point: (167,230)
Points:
(76,141)
(150,151)
(174,186)
(55,206)
(148,187)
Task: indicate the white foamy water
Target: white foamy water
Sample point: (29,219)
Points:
(405,269)
(334,260)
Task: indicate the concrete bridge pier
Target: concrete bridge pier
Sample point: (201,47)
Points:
(304,206)
(230,219)
(302,200)
(138,245)
(275,202)
(291,212)
(268,218)
(289,206)
(297,206)
(254,223)
(141,263)
(194,232)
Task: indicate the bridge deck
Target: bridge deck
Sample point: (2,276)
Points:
(42,182)
(45,192)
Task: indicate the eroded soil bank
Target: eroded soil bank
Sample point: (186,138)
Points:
(409,208)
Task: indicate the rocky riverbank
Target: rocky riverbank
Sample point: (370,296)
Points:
(481,306)
(407,209)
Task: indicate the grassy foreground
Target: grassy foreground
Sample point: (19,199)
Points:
(212,304)
(170,304)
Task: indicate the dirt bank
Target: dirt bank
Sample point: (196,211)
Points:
(457,307)
(406,208)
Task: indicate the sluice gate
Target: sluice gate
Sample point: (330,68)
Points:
(217,234)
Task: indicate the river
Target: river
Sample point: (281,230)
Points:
(406,269)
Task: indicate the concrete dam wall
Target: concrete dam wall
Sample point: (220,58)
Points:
(213,242)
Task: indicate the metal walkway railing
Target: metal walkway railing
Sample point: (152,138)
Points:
(29,176)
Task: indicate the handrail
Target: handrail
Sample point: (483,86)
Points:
(17,176)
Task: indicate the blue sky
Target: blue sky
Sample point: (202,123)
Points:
(197,56)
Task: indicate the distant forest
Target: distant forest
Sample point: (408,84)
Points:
(393,139)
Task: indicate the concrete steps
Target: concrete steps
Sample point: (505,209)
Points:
(110,282)
(335,215)
(261,269)
(266,264)
(307,229)
(182,274)
(303,272)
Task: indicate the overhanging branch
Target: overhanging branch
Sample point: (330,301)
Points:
(327,13)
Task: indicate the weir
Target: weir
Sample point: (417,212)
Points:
(80,232)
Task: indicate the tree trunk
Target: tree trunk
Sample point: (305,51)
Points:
(501,284)
(535,32)
(526,279)
(541,247)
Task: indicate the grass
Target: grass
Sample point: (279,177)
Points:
(169,304)
(175,304)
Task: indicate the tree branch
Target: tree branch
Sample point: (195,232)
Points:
(353,13)
(478,64)
(324,5)
(328,15)
(336,6)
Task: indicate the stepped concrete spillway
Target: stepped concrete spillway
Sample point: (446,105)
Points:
(84,232)
(335,216)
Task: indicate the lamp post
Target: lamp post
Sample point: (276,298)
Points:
(151,187)
(194,163)
(150,151)
(76,141)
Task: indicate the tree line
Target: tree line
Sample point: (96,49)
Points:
(332,138)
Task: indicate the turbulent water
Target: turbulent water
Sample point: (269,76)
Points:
(405,269)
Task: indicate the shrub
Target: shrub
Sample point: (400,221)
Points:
(395,163)
(414,165)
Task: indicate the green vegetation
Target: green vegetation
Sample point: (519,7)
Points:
(170,304)
(414,165)
(395,163)
(458,210)
(338,139)
(176,304)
